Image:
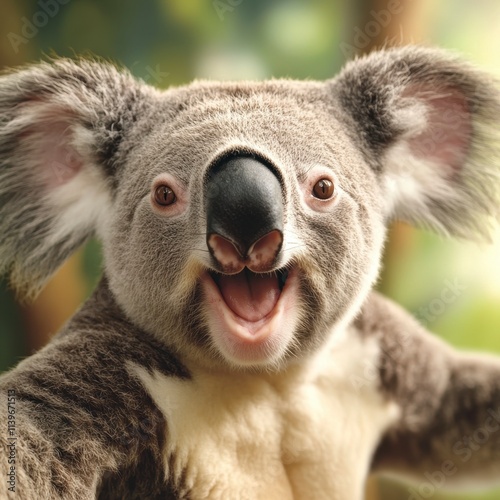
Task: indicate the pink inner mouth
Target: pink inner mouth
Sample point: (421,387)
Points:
(249,295)
(251,315)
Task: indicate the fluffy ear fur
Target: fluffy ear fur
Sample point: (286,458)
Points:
(62,129)
(428,123)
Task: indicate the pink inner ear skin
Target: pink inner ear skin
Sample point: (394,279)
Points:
(47,142)
(58,159)
(447,137)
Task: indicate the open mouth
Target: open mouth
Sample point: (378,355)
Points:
(251,296)
(246,312)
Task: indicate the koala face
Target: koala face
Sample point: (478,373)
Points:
(242,223)
(324,249)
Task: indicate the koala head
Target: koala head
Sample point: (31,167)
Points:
(241,223)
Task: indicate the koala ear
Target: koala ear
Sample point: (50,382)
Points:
(62,130)
(428,123)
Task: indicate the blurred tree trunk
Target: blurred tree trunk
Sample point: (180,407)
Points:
(389,23)
(400,22)
(57,302)
(9,56)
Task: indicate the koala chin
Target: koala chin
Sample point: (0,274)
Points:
(235,348)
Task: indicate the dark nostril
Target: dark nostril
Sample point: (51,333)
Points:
(226,254)
(260,258)
(264,252)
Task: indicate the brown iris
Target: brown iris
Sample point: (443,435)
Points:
(164,196)
(323,189)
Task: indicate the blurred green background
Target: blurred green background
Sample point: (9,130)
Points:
(170,42)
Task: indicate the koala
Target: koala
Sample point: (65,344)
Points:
(234,347)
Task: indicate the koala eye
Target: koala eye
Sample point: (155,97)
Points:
(164,195)
(323,189)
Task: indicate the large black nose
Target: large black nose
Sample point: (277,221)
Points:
(244,207)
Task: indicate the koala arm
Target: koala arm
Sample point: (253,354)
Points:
(449,425)
(83,427)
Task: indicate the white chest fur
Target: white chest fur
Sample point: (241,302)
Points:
(308,433)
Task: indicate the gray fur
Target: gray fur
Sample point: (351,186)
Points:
(87,426)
